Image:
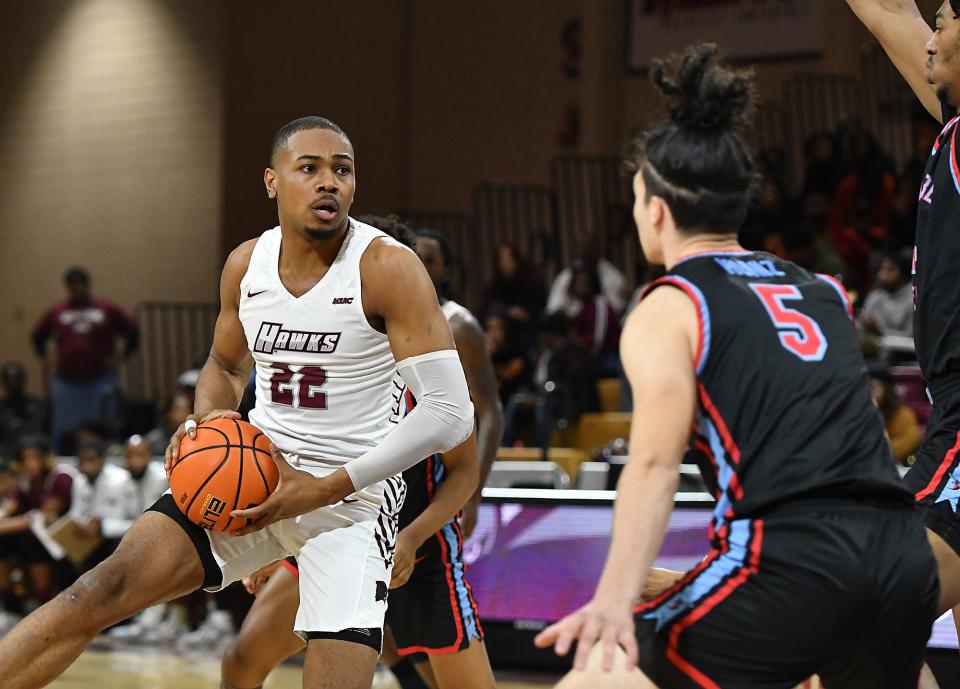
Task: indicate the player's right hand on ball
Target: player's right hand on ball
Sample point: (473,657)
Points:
(189,427)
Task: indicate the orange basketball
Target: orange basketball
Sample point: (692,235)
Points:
(226,467)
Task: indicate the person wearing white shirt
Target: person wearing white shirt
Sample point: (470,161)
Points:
(104,501)
(149,478)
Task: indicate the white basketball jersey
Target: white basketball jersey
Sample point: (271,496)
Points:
(327,387)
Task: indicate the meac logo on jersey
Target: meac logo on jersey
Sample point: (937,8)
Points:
(272,337)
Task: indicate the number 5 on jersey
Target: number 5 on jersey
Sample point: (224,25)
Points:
(799,334)
(298,388)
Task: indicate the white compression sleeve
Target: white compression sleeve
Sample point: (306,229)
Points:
(442,419)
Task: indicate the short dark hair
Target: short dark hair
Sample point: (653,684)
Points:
(282,137)
(449,255)
(76,274)
(94,447)
(955,6)
(901,259)
(392,226)
(40,443)
(697,160)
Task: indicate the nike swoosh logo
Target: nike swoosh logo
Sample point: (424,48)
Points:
(349,500)
(251,295)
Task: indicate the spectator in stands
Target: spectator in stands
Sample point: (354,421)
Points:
(43,488)
(21,414)
(595,323)
(821,172)
(923,132)
(613,284)
(888,309)
(860,216)
(903,430)
(175,412)
(149,478)
(564,386)
(508,354)
(104,501)
(516,287)
(811,250)
(85,329)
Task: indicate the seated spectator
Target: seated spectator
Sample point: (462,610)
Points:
(595,322)
(149,478)
(923,132)
(104,501)
(613,284)
(903,430)
(516,287)
(508,354)
(564,386)
(43,488)
(860,216)
(21,414)
(821,165)
(175,412)
(888,309)
(812,250)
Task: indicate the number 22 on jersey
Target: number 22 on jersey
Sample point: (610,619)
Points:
(299,388)
(799,334)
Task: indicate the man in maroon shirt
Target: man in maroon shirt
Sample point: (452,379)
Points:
(85,330)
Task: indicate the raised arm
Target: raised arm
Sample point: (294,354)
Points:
(482,383)
(904,36)
(224,375)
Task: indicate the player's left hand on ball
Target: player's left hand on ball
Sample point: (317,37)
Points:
(297,493)
(610,624)
(404,560)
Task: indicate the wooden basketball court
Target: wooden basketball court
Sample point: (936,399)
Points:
(99,669)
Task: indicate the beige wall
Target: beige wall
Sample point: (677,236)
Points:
(133,133)
(110,154)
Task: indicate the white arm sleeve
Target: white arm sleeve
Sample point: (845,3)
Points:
(442,419)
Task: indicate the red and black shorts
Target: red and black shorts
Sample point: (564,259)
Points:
(435,611)
(935,477)
(847,592)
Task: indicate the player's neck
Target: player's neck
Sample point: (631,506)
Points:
(300,252)
(698,244)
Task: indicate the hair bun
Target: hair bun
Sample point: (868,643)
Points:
(702,95)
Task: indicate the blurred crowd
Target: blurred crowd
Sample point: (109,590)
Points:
(75,471)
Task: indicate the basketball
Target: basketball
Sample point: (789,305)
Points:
(226,467)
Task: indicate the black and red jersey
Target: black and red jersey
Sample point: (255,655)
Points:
(784,406)
(936,255)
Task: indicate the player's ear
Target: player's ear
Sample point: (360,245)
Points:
(658,213)
(270,182)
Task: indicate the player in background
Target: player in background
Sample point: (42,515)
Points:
(929,59)
(314,305)
(818,561)
(431,610)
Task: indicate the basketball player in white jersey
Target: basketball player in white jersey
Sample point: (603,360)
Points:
(328,309)
(432,612)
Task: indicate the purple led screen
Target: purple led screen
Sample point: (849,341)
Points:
(538,562)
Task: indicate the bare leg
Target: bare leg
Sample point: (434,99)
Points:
(334,664)
(593,676)
(266,638)
(469,668)
(390,657)
(948,567)
(156,561)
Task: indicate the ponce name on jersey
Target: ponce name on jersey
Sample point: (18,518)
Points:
(273,337)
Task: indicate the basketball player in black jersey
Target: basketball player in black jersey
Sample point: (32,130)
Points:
(929,59)
(818,563)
